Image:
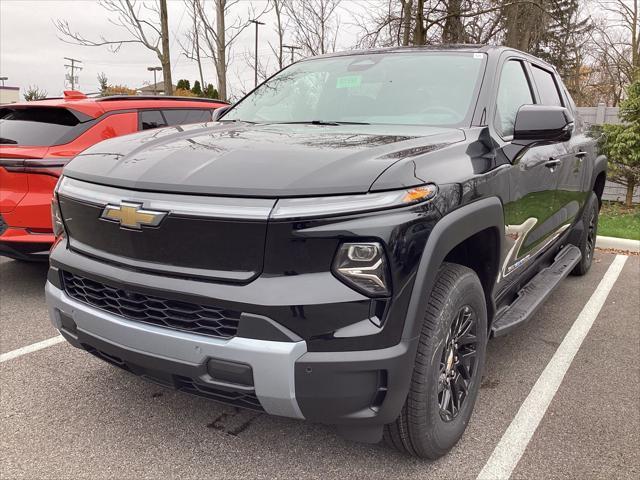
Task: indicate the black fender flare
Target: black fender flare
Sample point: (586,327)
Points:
(599,166)
(449,231)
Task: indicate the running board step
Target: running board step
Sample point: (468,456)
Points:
(534,293)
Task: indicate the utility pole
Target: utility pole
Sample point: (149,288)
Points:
(292,48)
(73,70)
(255,67)
(155,84)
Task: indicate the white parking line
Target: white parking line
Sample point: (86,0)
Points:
(30,348)
(513,443)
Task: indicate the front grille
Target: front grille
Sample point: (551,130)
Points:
(183,316)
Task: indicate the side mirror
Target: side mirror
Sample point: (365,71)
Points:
(542,124)
(219,112)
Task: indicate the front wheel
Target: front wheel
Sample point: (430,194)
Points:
(448,367)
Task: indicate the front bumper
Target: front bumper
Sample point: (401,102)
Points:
(172,352)
(360,388)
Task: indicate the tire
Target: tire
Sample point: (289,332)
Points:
(587,241)
(422,429)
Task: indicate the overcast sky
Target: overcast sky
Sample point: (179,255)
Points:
(32,54)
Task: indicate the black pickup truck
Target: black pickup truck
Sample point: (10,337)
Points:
(340,244)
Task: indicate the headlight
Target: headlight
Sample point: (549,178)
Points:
(363,266)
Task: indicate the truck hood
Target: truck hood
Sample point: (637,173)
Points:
(257,160)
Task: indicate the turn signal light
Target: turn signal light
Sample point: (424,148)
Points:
(419,194)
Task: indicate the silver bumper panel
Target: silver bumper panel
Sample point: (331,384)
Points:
(272,362)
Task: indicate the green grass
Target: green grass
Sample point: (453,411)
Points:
(616,220)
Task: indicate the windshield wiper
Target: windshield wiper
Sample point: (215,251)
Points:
(8,141)
(321,122)
(236,121)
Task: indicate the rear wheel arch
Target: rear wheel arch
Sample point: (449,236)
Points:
(599,176)
(598,185)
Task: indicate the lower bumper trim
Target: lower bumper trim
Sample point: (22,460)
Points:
(169,354)
(26,251)
(183,378)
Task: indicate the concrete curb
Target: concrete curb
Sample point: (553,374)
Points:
(618,243)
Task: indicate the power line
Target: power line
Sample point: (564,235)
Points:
(73,68)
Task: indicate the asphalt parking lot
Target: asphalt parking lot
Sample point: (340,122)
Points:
(65,414)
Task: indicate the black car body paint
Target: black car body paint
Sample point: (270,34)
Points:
(502,209)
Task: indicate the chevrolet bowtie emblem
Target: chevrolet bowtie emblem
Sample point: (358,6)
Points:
(132,215)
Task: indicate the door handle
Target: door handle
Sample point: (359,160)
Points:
(581,154)
(552,163)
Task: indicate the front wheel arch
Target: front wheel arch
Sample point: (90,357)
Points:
(451,231)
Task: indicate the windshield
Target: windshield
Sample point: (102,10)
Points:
(417,88)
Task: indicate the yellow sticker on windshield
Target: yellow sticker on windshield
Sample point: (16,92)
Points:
(349,81)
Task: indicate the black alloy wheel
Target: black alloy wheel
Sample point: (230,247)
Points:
(457,364)
(591,234)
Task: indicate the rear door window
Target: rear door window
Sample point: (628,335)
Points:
(37,126)
(547,88)
(151,119)
(173,116)
(183,117)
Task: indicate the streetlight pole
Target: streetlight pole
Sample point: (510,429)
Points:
(155,84)
(255,67)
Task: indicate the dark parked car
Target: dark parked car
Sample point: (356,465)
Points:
(341,244)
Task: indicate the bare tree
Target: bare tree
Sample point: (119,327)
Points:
(165,55)
(407,21)
(34,93)
(265,69)
(524,23)
(382,26)
(617,42)
(419,22)
(219,36)
(278,7)
(419,27)
(192,49)
(144,23)
(315,24)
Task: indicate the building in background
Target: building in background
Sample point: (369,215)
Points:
(9,94)
(151,90)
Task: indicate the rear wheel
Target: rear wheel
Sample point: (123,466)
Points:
(448,367)
(587,242)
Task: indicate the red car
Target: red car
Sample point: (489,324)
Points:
(38,138)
